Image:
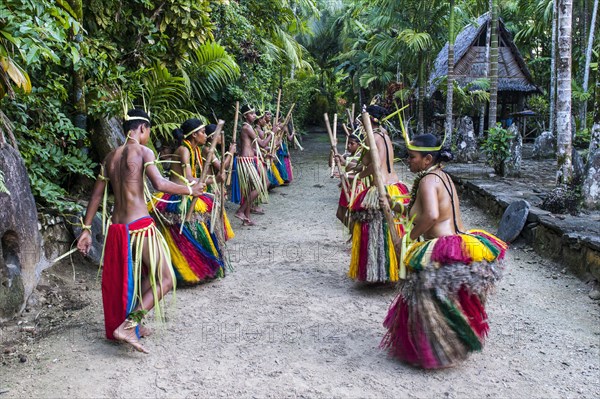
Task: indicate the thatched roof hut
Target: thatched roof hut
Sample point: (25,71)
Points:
(514,79)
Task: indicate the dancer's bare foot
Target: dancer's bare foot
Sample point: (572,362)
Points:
(258,211)
(128,336)
(145,331)
(248,222)
(241,216)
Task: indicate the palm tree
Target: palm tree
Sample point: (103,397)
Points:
(493,64)
(588,59)
(563,104)
(450,89)
(553,66)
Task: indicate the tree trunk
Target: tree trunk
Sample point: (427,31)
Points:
(563,104)
(595,134)
(493,66)
(552,100)
(420,116)
(450,79)
(486,73)
(588,60)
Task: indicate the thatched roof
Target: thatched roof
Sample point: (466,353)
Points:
(467,38)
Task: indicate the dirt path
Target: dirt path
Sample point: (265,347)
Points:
(288,322)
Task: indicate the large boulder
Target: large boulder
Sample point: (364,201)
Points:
(20,240)
(544,146)
(590,189)
(106,135)
(578,166)
(465,141)
(512,166)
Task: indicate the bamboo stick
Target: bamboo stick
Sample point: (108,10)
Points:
(235,123)
(345,184)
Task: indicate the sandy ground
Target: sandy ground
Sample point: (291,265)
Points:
(289,323)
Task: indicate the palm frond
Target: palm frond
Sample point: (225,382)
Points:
(211,69)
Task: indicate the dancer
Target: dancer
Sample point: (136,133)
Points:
(250,175)
(373,257)
(439,316)
(350,160)
(136,268)
(195,252)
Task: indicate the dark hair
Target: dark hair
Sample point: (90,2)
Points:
(186,127)
(429,140)
(377,112)
(210,129)
(135,123)
(354,137)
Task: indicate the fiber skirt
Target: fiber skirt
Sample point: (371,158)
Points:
(197,254)
(373,257)
(439,317)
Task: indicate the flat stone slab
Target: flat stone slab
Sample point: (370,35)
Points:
(513,220)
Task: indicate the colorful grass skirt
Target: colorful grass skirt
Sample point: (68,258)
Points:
(439,315)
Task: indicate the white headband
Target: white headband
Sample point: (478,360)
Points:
(195,130)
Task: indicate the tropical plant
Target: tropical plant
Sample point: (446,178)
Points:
(497,148)
(3,188)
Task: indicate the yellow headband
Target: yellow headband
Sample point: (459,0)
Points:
(195,130)
(247,112)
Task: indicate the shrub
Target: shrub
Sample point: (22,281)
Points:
(497,148)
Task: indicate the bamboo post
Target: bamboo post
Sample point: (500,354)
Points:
(350,118)
(204,174)
(345,184)
(280,132)
(396,240)
(335,143)
(235,123)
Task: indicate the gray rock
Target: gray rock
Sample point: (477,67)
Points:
(106,135)
(465,141)
(97,236)
(512,166)
(590,188)
(595,138)
(578,166)
(544,146)
(594,294)
(513,220)
(20,241)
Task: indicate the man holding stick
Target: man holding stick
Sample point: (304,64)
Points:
(250,173)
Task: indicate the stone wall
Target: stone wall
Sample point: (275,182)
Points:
(565,239)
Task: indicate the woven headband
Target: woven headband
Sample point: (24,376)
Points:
(195,130)
(247,112)
(136,118)
(409,144)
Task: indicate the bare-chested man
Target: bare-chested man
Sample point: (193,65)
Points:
(131,286)
(250,173)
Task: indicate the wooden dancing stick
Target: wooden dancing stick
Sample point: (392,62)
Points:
(277,111)
(347,135)
(345,184)
(235,123)
(280,132)
(209,157)
(222,186)
(335,143)
(396,240)
(350,118)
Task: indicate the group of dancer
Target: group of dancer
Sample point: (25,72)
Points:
(177,233)
(444,272)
